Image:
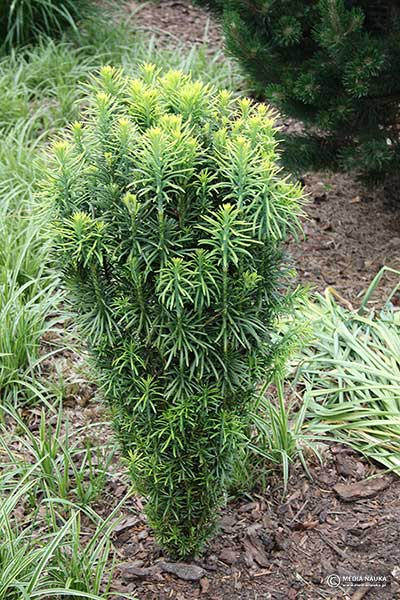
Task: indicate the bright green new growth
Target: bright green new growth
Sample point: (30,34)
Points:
(170,217)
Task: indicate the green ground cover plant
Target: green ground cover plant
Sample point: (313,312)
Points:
(42,552)
(334,64)
(23,21)
(169,216)
(351,376)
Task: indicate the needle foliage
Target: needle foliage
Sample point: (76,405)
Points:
(170,213)
(334,64)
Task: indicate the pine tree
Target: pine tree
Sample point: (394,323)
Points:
(170,214)
(334,64)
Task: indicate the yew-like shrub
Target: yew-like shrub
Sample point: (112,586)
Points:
(170,215)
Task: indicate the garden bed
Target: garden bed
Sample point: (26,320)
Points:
(270,545)
(342,518)
(282,549)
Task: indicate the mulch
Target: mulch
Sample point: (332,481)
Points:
(350,233)
(173,22)
(339,524)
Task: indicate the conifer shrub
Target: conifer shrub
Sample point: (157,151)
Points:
(21,21)
(335,65)
(170,213)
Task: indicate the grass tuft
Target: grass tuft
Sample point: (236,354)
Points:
(351,377)
(23,21)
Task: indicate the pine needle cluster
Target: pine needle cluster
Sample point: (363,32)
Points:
(170,217)
(334,64)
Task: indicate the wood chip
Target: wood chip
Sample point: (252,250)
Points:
(184,571)
(255,551)
(204,585)
(361,490)
(126,524)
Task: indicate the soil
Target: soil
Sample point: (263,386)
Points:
(350,234)
(282,549)
(175,21)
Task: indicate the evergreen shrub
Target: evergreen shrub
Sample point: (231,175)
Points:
(335,65)
(170,217)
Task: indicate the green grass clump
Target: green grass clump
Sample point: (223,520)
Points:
(69,466)
(170,212)
(27,287)
(351,376)
(42,552)
(23,21)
